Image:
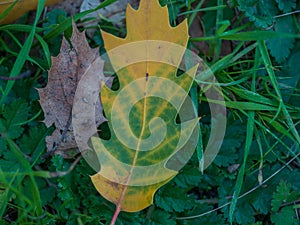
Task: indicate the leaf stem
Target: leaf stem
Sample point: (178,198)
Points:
(118,209)
(21,76)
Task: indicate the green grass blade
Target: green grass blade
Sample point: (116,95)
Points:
(240,178)
(194,14)
(268,65)
(212,8)
(256,35)
(34,189)
(6,11)
(219,21)
(28,58)
(247,36)
(68,22)
(23,54)
(242,105)
(279,127)
(5,196)
(45,49)
(223,63)
(252,96)
(199,148)
(20,28)
(30,120)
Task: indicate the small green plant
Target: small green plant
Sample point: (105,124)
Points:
(283,204)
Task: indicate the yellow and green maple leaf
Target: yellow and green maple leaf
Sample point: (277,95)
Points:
(147,146)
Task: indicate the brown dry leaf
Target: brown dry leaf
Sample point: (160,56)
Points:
(57,97)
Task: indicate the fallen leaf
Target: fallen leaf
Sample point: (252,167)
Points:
(147,147)
(114,12)
(57,97)
(19,8)
(70,7)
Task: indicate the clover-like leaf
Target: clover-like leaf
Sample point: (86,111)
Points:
(286,6)
(281,47)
